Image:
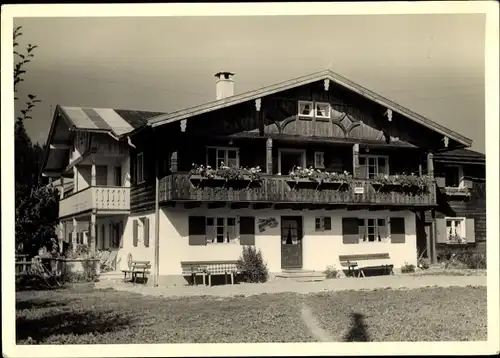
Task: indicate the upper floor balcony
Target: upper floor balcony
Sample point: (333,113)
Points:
(276,189)
(101,199)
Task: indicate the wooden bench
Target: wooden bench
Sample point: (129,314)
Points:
(209,268)
(360,262)
(137,268)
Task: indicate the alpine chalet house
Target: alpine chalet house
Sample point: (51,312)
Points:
(313,171)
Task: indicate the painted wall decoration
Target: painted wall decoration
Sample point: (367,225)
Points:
(268,222)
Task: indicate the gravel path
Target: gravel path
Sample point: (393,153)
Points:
(287,285)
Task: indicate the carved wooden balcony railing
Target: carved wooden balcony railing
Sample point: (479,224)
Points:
(105,198)
(280,189)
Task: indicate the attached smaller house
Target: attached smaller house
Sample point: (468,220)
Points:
(461,215)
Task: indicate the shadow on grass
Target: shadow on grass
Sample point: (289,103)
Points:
(37,304)
(39,329)
(358,331)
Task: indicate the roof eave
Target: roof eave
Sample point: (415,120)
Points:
(283,86)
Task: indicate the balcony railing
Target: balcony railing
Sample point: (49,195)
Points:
(279,189)
(98,197)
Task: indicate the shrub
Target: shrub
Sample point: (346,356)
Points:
(331,272)
(470,260)
(424,264)
(252,265)
(406,268)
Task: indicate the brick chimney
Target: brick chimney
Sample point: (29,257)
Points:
(224,86)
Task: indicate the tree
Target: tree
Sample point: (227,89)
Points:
(36,203)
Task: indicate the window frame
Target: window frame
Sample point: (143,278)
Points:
(311,114)
(376,227)
(463,229)
(322,223)
(226,155)
(376,157)
(212,239)
(461,177)
(139,174)
(328,107)
(322,162)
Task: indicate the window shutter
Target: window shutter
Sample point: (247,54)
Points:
(398,234)
(470,230)
(146,232)
(328,223)
(350,231)
(247,230)
(382,231)
(441,236)
(363,172)
(136,231)
(197,230)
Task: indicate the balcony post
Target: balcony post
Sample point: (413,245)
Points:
(61,193)
(61,236)
(73,236)
(173,162)
(93,175)
(75,179)
(430,164)
(355,160)
(269,156)
(92,232)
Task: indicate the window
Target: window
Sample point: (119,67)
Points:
(372,230)
(228,156)
(221,229)
(323,223)
(319,160)
(139,170)
(314,109)
(454,177)
(322,110)
(118,176)
(372,165)
(306,109)
(455,230)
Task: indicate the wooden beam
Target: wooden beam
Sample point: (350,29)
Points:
(260,206)
(216,205)
(235,206)
(192,204)
(430,164)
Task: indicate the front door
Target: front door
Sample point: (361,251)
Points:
(291,242)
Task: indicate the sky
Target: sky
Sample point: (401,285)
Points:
(431,64)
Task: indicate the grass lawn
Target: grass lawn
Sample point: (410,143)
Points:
(80,315)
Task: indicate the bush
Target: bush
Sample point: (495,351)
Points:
(424,264)
(407,268)
(252,265)
(468,259)
(331,272)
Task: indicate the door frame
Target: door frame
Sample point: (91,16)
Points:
(291,150)
(300,221)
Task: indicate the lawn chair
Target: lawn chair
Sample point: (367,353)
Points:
(110,263)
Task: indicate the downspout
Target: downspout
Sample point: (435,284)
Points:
(157,219)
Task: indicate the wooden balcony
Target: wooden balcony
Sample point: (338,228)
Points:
(100,198)
(277,189)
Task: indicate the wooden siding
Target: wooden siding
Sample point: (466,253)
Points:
(278,189)
(142,195)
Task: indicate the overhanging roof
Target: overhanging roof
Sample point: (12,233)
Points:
(462,155)
(304,80)
(67,120)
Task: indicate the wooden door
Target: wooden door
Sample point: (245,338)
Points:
(291,242)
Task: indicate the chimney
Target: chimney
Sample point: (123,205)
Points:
(224,86)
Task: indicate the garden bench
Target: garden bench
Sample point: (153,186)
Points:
(209,268)
(360,262)
(137,268)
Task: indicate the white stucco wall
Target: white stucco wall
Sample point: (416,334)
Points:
(320,249)
(139,252)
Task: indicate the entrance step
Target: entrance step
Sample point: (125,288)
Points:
(301,275)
